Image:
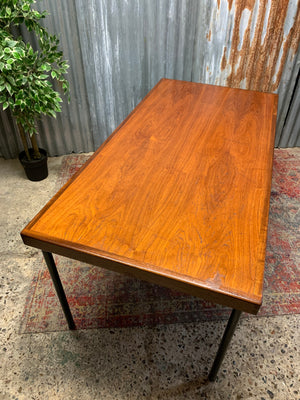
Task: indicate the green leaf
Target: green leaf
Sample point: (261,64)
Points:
(45,67)
(11,102)
(17,54)
(8,10)
(8,87)
(20,94)
(25,7)
(53,74)
(5,105)
(2,99)
(28,102)
(11,43)
(52,113)
(10,61)
(11,80)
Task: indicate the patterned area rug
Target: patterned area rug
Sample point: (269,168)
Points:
(103,299)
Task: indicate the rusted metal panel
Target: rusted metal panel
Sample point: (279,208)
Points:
(118,50)
(256,38)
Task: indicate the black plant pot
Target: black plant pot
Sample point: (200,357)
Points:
(36,170)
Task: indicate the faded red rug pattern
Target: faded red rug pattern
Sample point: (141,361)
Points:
(103,299)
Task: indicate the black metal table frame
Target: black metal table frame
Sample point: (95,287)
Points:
(227,335)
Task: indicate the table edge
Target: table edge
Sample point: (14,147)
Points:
(207,291)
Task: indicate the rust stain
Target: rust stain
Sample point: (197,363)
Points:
(272,43)
(230,4)
(258,60)
(224,59)
(291,42)
(247,4)
(244,53)
(255,55)
(208,35)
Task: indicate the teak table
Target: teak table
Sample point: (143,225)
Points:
(178,195)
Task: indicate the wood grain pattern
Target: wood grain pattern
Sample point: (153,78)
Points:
(178,195)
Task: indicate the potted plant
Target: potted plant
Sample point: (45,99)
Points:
(27,76)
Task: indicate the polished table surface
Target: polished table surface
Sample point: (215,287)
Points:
(178,195)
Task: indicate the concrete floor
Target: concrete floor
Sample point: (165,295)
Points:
(166,362)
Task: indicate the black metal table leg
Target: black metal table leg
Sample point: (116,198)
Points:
(230,328)
(59,288)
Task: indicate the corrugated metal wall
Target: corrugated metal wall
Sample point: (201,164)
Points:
(291,130)
(119,49)
(288,120)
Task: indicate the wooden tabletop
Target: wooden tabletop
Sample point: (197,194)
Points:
(178,195)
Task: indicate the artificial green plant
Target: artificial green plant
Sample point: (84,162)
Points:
(27,74)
